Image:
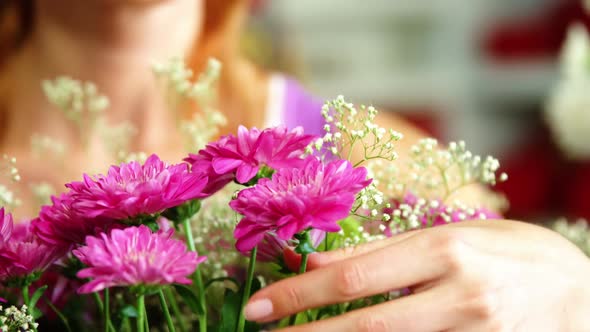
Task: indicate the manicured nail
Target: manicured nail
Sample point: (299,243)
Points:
(258,309)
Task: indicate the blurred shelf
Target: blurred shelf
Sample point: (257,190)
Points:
(409,53)
(405,91)
(523,82)
(298,13)
(517,81)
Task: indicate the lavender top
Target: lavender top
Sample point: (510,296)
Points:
(289,104)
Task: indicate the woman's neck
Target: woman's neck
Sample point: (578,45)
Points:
(90,37)
(111,43)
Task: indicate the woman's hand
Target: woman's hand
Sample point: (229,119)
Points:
(469,276)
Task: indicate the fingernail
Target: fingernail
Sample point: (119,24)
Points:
(258,309)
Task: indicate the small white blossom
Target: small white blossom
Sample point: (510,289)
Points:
(17,319)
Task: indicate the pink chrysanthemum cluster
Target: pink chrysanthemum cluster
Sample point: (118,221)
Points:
(135,256)
(21,252)
(61,225)
(128,191)
(133,189)
(315,195)
(241,157)
(6,225)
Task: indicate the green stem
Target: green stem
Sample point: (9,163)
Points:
(197,276)
(107,316)
(26,298)
(166,311)
(141,313)
(303,265)
(175,309)
(100,306)
(146,323)
(247,289)
(98,302)
(125,326)
(27,301)
(302,268)
(59,314)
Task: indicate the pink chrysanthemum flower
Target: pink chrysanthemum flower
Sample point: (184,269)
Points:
(242,157)
(5,227)
(6,224)
(316,195)
(30,256)
(62,225)
(135,256)
(133,190)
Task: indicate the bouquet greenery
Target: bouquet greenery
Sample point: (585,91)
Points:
(155,246)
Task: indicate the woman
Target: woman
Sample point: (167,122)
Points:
(476,276)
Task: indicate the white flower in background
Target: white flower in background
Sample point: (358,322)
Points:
(575,56)
(568,108)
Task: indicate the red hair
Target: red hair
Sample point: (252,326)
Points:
(16,22)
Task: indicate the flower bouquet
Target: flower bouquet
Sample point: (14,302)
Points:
(181,247)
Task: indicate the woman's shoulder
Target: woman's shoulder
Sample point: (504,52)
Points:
(292,105)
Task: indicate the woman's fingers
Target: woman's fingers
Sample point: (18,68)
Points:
(321,259)
(406,263)
(424,312)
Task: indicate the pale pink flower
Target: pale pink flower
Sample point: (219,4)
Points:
(242,156)
(317,195)
(133,190)
(135,256)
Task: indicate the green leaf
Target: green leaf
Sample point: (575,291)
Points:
(264,172)
(222,279)
(304,246)
(37,313)
(128,311)
(36,296)
(183,211)
(190,298)
(231,309)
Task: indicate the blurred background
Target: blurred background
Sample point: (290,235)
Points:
(478,70)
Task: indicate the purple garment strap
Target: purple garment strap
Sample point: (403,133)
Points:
(302,109)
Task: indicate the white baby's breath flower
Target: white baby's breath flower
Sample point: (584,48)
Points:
(17,319)
(175,78)
(8,174)
(80,102)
